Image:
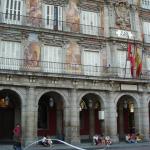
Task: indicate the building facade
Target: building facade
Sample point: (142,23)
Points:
(71,69)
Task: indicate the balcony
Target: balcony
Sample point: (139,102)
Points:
(61,69)
(56,25)
(125,34)
(145,4)
(146,38)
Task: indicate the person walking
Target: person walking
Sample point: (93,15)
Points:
(17,137)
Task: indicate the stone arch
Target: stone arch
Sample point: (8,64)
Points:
(10,108)
(16,91)
(128,110)
(135,98)
(101,98)
(64,97)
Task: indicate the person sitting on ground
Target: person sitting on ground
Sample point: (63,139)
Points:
(128,138)
(108,140)
(46,141)
(102,139)
(139,138)
(95,139)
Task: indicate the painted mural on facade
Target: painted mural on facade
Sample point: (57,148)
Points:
(73,56)
(32,51)
(34,12)
(72,16)
(122,11)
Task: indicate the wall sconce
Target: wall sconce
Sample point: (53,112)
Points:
(6,100)
(90,103)
(51,102)
(131,108)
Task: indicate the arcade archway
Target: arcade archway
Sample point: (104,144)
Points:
(10,114)
(126,116)
(50,115)
(91,120)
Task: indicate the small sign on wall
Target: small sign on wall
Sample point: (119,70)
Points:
(101,115)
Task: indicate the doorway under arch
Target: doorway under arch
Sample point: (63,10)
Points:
(90,121)
(10,114)
(125,116)
(50,115)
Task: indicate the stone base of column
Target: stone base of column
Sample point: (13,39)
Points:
(115,139)
(28,141)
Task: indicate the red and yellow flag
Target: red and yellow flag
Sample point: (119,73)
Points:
(138,62)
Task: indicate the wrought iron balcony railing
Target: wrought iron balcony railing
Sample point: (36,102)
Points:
(49,24)
(145,4)
(146,38)
(21,65)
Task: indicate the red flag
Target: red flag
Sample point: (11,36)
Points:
(138,62)
(129,51)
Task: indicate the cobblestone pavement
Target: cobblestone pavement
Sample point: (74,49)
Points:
(118,146)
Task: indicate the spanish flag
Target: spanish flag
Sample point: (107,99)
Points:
(138,62)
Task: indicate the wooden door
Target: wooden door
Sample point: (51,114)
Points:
(6,123)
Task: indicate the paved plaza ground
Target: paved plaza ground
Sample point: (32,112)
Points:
(122,145)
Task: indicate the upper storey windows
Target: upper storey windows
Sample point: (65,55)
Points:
(145,4)
(52,17)
(65,17)
(12,10)
(89,22)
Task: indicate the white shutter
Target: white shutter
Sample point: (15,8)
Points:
(123,64)
(12,11)
(52,59)
(11,53)
(48,16)
(89,21)
(148,63)
(91,62)
(60,18)
(146,30)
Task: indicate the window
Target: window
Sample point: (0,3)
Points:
(52,17)
(52,59)
(91,62)
(145,4)
(146,30)
(123,65)
(12,11)
(10,55)
(89,22)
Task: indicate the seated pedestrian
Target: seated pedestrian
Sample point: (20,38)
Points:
(46,141)
(95,139)
(108,141)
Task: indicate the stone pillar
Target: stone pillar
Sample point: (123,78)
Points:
(75,127)
(31,117)
(106,20)
(67,127)
(112,119)
(145,117)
